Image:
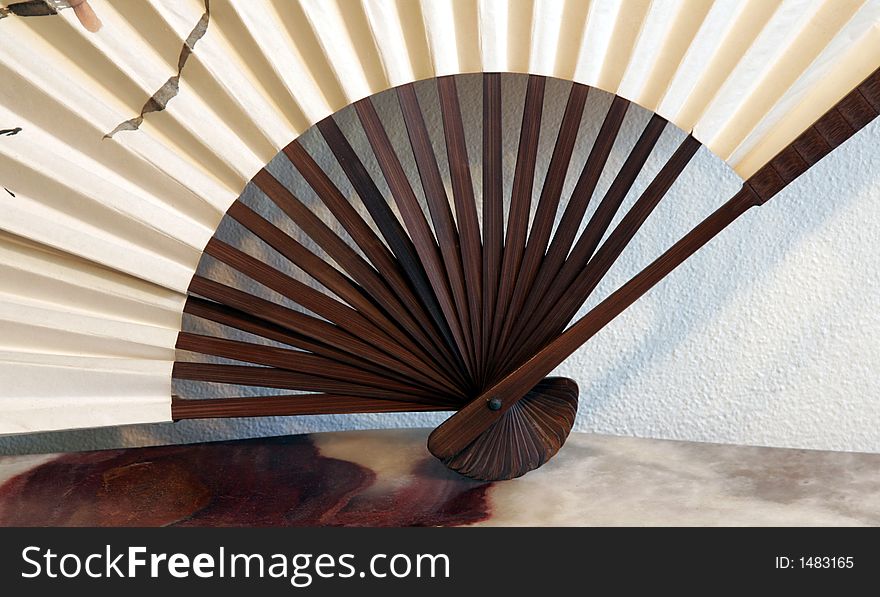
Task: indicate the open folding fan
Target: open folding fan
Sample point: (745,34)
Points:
(147,151)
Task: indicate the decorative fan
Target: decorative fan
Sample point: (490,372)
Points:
(141,169)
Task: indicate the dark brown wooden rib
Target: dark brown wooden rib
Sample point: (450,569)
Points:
(520,200)
(247,322)
(396,237)
(271,377)
(550,289)
(361,233)
(441,213)
(311,327)
(493,206)
(575,282)
(453,436)
(548,205)
(558,252)
(400,346)
(465,211)
(297,362)
(376,252)
(296,404)
(589,178)
(357,267)
(316,267)
(413,218)
(233,318)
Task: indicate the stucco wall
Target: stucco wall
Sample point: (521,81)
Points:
(770,335)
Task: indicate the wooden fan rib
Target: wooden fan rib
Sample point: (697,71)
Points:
(548,205)
(304,295)
(465,210)
(295,361)
(306,325)
(361,233)
(299,255)
(441,213)
(558,253)
(396,237)
(250,323)
(334,311)
(576,283)
(246,322)
(570,222)
(297,404)
(493,206)
(612,201)
(560,267)
(520,201)
(414,219)
(290,360)
(313,265)
(589,178)
(359,269)
(270,377)
(377,253)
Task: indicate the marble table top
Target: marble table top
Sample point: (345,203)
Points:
(387,478)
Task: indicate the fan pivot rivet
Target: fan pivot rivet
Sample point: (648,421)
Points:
(495,404)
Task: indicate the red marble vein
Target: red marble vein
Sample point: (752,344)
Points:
(265,482)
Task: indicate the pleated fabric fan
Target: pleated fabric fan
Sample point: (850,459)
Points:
(146,149)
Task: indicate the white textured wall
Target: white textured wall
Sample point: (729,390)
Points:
(770,335)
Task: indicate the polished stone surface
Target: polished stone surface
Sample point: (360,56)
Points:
(387,478)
